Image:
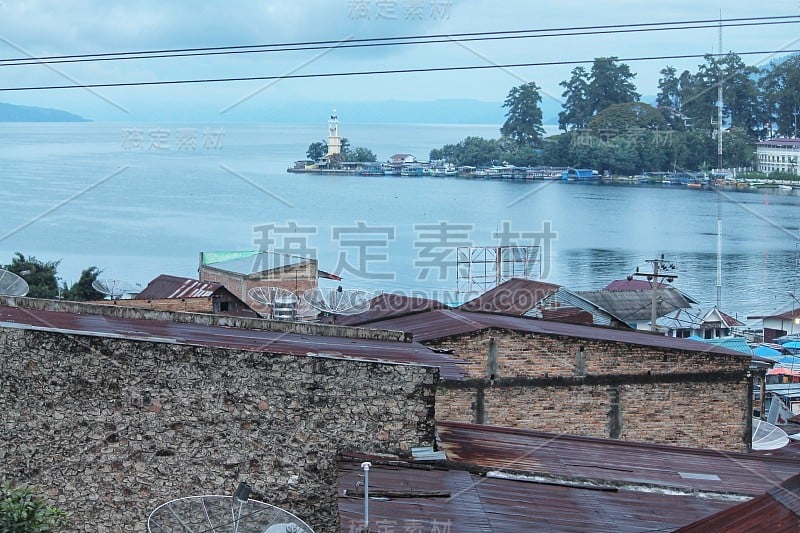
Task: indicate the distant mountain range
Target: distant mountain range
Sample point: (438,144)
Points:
(23,113)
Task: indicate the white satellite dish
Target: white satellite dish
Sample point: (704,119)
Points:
(282,302)
(338,301)
(194,514)
(12,285)
(114,288)
(767,436)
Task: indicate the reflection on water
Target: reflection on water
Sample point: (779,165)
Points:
(59,202)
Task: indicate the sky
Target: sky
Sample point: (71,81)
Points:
(35,28)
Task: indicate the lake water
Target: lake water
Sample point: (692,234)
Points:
(144,199)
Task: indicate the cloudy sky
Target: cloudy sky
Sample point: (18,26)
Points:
(34,28)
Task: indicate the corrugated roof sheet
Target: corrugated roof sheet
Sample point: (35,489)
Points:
(447,323)
(166,286)
(247,263)
(227,337)
(459,501)
(635,305)
(513,297)
(631,285)
(613,461)
(777,511)
(534,481)
(385,306)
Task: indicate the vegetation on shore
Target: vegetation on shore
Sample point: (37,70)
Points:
(42,278)
(606,127)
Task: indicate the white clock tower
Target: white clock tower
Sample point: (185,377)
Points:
(334,141)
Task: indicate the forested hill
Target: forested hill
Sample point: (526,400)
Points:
(22,113)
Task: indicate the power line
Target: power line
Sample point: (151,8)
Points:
(381,72)
(404,40)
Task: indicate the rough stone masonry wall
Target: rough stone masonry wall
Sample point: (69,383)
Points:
(598,388)
(108,429)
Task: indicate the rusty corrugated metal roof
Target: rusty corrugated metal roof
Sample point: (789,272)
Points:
(444,323)
(166,286)
(389,305)
(503,479)
(618,462)
(235,338)
(474,503)
(513,297)
(776,511)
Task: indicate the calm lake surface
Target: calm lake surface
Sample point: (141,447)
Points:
(138,200)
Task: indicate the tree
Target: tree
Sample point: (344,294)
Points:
(41,276)
(82,290)
(361,154)
(669,89)
(780,95)
(739,94)
(620,118)
(609,84)
(576,111)
(523,123)
(21,510)
(317,150)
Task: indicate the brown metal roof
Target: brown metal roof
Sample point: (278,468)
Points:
(501,479)
(572,315)
(447,323)
(614,461)
(513,297)
(166,286)
(635,305)
(225,337)
(474,503)
(777,511)
(385,306)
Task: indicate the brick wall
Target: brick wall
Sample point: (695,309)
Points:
(296,279)
(598,388)
(108,428)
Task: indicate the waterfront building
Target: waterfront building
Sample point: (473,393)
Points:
(778,155)
(334,141)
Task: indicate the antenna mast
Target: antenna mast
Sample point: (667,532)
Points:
(719,165)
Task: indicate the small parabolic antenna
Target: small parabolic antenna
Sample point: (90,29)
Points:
(767,436)
(338,301)
(113,288)
(194,514)
(282,302)
(12,285)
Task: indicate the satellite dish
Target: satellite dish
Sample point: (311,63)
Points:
(113,288)
(282,302)
(767,436)
(223,513)
(338,301)
(11,284)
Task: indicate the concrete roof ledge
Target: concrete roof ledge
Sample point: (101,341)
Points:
(122,311)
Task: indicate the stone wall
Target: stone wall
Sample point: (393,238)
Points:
(599,389)
(123,309)
(108,429)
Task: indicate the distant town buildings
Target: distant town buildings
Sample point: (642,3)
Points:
(778,155)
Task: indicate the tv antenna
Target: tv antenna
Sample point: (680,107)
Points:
(338,301)
(235,514)
(113,288)
(767,436)
(281,302)
(12,285)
